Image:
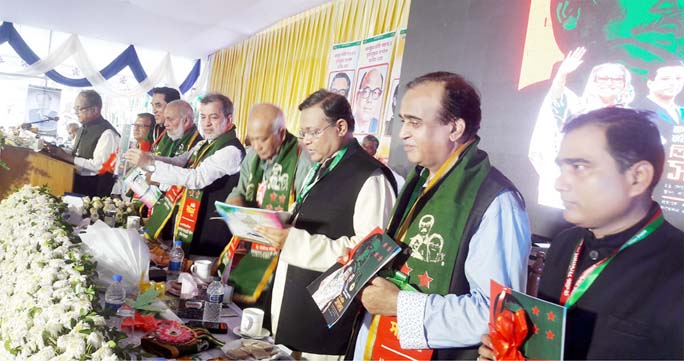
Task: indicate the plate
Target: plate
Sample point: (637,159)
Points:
(264,333)
(246,349)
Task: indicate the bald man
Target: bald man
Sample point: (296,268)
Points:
(368,102)
(270,177)
(180,134)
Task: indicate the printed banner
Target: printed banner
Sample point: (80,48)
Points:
(391,100)
(344,58)
(371,85)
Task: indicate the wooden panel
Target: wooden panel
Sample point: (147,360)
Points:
(38,169)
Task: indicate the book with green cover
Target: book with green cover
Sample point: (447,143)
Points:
(336,288)
(517,318)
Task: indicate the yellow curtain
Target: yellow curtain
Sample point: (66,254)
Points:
(288,61)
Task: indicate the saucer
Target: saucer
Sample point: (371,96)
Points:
(264,333)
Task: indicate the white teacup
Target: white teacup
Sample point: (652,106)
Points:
(202,269)
(252,320)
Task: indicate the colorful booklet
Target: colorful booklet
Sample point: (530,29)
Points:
(242,221)
(149,194)
(335,289)
(524,326)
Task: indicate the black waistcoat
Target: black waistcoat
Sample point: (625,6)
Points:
(495,184)
(329,210)
(212,235)
(88,135)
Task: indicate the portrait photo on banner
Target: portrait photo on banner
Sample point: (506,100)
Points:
(369,98)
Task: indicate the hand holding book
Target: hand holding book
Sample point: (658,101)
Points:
(335,289)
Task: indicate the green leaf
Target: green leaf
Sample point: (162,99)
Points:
(146,298)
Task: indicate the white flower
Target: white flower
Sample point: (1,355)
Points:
(104,354)
(95,339)
(41,288)
(71,344)
(44,354)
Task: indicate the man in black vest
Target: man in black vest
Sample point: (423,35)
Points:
(94,147)
(462,223)
(610,161)
(203,175)
(346,195)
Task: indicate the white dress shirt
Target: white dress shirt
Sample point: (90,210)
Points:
(106,145)
(317,252)
(171,171)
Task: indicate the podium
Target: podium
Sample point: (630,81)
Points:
(35,168)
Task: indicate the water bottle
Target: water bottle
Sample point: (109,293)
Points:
(115,295)
(110,214)
(213,302)
(175,262)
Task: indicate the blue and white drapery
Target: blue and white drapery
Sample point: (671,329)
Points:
(97,79)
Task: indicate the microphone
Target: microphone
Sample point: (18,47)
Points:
(45,119)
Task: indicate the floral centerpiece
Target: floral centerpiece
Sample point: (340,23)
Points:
(98,207)
(46,284)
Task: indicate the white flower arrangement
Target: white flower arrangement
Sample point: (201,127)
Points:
(95,209)
(46,284)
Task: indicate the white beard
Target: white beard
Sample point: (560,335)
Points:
(175,136)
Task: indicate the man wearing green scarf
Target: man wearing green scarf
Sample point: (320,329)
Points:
(173,135)
(461,222)
(200,176)
(270,177)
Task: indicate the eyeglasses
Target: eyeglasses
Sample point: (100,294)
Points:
(80,109)
(342,92)
(314,134)
(368,92)
(138,126)
(605,79)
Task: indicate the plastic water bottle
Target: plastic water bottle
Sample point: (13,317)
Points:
(213,302)
(175,261)
(110,214)
(115,295)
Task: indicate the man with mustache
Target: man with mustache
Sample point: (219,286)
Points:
(162,144)
(206,173)
(462,222)
(620,270)
(345,196)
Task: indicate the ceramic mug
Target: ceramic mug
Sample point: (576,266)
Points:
(202,269)
(252,321)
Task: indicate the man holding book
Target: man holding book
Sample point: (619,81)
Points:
(620,271)
(344,197)
(270,178)
(462,223)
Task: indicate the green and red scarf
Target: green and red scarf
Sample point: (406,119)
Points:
(164,146)
(251,275)
(167,147)
(433,219)
(188,199)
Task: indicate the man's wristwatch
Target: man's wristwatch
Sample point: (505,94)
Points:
(150,168)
